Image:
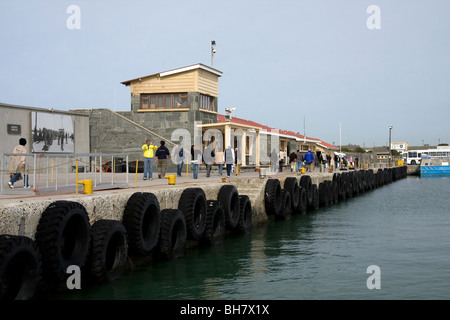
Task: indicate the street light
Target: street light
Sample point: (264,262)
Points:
(213,50)
(390,129)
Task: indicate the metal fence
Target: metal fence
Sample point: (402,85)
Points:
(56,171)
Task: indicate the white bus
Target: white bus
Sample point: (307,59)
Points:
(415,156)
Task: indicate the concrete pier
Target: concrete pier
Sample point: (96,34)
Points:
(59,228)
(20,209)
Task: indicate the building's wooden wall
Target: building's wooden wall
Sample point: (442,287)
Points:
(190,81)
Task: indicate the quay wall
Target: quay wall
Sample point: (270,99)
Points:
(81,230)
(21,217)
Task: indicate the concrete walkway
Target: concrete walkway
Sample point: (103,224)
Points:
(135,181)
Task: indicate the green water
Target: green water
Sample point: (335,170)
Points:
(403,228)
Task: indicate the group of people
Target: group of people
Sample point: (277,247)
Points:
(299,160)
(161,155)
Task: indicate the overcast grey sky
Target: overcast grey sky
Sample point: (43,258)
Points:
(284,63)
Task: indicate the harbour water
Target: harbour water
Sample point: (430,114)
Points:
(403,228)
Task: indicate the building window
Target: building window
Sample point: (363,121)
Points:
(207,103)
(164,101)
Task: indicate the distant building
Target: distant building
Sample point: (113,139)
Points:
(399,146)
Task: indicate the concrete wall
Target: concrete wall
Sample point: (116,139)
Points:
(21,115)
(127,131)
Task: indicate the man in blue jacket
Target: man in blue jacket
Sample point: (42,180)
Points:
(309,159)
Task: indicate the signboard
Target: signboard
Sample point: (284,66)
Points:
(14,129)
(400,146)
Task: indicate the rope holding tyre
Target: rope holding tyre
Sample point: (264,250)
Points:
(141,219)
(63,238)
(20,267)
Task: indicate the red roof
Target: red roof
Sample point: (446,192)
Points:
(294,135)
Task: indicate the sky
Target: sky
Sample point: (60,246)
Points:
(341,71)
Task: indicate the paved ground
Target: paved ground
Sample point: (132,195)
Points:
(65,184)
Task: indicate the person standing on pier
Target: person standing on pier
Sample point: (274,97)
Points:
(228,159)
(309,159)
(299,161)
(17,165)
(180,161)
(219,161)
(196,157)
(149,150)
(162,154)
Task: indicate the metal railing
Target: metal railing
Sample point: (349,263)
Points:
(52,166)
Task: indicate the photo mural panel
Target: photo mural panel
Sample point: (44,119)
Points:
(52,133)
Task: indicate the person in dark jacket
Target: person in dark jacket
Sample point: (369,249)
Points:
(162,153)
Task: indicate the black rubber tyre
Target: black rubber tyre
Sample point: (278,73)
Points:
(20,267)
(63,238)
(215,223)
(315,197)
(229,197)
(246,215)
(334,187)
(302,202)
(349,185)
(306,182)
(193,205)
(285,205)
(291,185)
(272,197)
(324,194)
(109,250)
(173,234)
(141,220)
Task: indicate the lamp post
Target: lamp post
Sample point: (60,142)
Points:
(390,151)
(213,50)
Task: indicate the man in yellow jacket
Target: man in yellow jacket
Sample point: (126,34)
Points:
(149,150)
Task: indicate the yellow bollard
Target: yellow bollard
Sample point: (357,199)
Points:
(330,169)
(302,170)
(87,186)
(171,178)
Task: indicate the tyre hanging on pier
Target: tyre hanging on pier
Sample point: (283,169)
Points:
(291,185)
(246,215)
(229,197)
(193,205)
(324,194)
(315,197)
(215,222)
(109,251)
(272,197)
(141,220)
(286,205)
(20,267)
(173,234)
(63,238)
(302,201)
(306,182)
